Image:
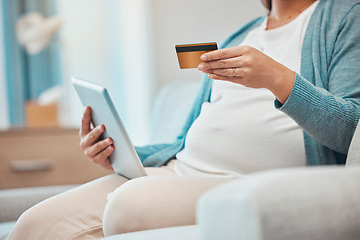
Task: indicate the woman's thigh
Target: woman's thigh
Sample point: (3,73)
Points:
(155,202)
(75,214)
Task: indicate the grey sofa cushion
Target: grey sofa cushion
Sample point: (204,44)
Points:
(353,158)
(319,203)
(173,233)
(13,202)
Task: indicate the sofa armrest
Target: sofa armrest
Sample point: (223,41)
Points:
(14,202)
(318,203)
(353,156)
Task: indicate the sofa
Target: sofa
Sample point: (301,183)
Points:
(317,203)
(309,203)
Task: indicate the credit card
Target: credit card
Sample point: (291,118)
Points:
(189,54)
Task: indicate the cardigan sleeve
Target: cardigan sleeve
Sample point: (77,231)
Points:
(329,114)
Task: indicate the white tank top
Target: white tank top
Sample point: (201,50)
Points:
(239,131)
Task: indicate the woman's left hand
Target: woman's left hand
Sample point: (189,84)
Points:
(249,67)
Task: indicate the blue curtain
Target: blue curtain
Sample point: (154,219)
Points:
(28,75)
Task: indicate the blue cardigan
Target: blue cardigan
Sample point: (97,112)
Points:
(325,100)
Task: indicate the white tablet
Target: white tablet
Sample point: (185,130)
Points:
(124,159)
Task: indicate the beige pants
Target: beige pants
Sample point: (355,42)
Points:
(159,200)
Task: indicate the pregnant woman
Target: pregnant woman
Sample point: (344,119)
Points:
(283,91)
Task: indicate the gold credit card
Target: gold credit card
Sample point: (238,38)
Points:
(189,54)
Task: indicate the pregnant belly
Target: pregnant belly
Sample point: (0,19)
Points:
(243,139)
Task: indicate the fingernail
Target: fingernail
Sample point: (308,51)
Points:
(109,140)
(203,57)
(201,67)
(102,127)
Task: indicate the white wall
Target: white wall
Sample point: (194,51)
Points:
(137,65)
(107,42)
(4,115)
(83,41)
(189,21)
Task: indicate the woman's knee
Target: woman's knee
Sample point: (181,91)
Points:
(130,207)
(154,202)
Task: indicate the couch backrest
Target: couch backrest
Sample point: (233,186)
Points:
(171,108)
(353,158)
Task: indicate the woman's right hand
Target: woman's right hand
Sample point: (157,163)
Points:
(97,150)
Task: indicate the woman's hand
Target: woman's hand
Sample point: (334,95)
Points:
(97,151)
(249,67)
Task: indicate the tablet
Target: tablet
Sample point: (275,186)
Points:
(125,161)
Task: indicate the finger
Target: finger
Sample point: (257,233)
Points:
(235,62)
(228,72)
(85,122)
(98,147)
(222,72)
(108,167)
(102,158)
(92,137)
(223,54)
(239,80)
(225,78)
(219,77)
